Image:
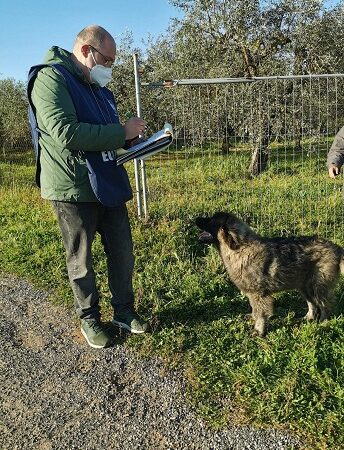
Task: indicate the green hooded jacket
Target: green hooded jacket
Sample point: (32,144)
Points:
(64,174)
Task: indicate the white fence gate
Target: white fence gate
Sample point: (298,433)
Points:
(288,123)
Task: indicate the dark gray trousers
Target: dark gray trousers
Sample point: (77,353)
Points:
(79,223)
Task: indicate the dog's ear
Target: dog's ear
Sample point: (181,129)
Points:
(233,240)
(228,237)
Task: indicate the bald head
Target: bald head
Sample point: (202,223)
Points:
(94,35)
(93,45)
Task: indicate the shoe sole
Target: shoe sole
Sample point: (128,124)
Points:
(126,327)
(90,343)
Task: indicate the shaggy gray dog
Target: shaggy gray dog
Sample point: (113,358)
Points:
(260,266)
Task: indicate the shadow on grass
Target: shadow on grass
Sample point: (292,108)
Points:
(228,303)
(119,335)
(210,310)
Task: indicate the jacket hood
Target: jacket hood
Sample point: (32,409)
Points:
(57,55)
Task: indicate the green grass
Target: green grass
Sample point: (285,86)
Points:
(293,379)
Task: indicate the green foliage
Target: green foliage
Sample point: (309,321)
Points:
(123,84)
(14,128)
(293,379)
(251,38)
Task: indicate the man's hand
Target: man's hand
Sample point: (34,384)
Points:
(133,127)
(333,171)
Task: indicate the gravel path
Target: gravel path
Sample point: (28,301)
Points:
(58,393)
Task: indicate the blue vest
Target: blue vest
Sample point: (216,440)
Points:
(110,183)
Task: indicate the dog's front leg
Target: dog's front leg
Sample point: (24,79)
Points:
(262,310)
(313,312)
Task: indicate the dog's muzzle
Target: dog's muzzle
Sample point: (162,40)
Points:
(206,237)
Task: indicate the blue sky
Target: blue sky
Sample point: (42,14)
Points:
(29,28)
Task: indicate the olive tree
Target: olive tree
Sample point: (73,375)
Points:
(14,127)
(249,38)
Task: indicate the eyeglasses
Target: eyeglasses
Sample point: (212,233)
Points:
(108,61)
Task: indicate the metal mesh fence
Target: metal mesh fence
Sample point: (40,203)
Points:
(17,164)
(287,123)
(255,147)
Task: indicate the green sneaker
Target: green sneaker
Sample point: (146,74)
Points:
(95,333)
(131,321)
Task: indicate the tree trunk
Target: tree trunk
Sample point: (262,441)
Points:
(259,161)
(260,154)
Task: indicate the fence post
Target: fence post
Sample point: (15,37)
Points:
(139,163)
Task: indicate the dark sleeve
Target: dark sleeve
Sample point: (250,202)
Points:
(336,153)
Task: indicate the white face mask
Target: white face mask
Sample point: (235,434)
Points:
(99,74)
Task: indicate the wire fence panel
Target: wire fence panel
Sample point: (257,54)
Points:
(17,163)
(257,148)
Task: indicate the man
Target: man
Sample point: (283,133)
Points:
(335,157)
(79,132)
